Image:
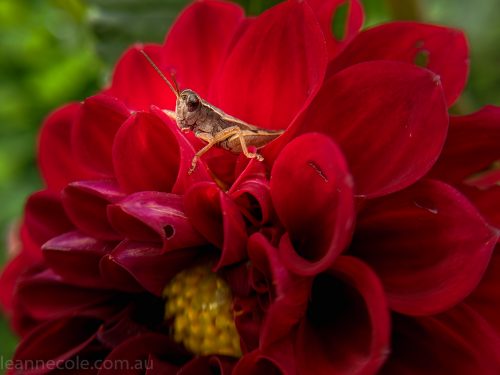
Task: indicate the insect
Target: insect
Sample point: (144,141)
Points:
(212,125)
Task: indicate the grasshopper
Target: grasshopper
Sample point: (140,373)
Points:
(212,125)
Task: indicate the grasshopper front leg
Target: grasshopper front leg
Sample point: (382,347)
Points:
(212,140)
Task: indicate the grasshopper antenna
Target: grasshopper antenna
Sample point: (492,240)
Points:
(175,89)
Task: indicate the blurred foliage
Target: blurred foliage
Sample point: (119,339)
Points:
(57,51)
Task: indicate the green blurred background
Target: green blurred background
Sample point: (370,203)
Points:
(55,51)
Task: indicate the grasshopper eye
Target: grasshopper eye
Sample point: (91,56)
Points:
(192,102)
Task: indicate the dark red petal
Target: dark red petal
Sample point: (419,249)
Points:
(428,244)
(472,146)
(99,119)
(254,198)
(9,277)
(139,349)
(154,216)
(149,153)
(75,257)
(486,200)
(56,159)
(347,326)
(389,118)
(457,342)
(312,192)
(443,51)
(287,293)
(257,363)
(198,42)
(150,265)
(86,204)
(219,220)
(53,343)
(486,297)
(46,296)
(137,84)
(212,365)
(325,11)
(277,65)
(40,226)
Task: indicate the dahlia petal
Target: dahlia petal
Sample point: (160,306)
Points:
(9,277)
(256,363)
(198,43)
(311,189)
(486,200)
(471,146)
(445,50)
(152,267)
(137,84)
(219,220)
(41,227)
(145,154)
(346,330)
(266,88)
(287,293)
(389,143)
(253,196)
(187,152)
(325,11)
(208,366)
(154,216)
(486,297)
(55,342)
(428,244)
(56,159)
(86,203)
(75,257)
(99,119)
(456,342)
(140,348)
(46,296)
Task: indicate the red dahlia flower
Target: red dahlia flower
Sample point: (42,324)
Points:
(363,244)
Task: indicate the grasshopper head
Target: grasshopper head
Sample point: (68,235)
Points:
(187,109)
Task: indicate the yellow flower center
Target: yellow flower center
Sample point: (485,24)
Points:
(200,304)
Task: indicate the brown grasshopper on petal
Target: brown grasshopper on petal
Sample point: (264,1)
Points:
(212,125)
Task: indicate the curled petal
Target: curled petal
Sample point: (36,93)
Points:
(202,33)
(456,342)
(154,216)
(471,146)
(56,158)
(439,49)
(266,88)
(75,257)
(54,342)
(311,189)
(346,328)
(254,198)
(99,119)
(219,220)
(151,266)
(388,143)
(428,244)
(137,84)
(287,293)
(278,360)
(86,203)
